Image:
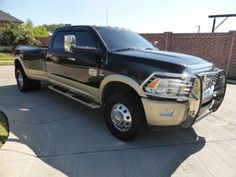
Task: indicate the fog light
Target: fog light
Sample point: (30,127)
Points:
(167,112)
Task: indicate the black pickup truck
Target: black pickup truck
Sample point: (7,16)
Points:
(117,69)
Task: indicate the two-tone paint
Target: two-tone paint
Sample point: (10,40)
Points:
(88,74)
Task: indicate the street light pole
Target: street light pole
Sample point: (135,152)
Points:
(107,17)
(199,28)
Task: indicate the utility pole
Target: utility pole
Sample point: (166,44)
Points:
(225,16)
(199,28)
(107,17)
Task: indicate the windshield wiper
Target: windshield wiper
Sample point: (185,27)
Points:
(149,48)
(128,48)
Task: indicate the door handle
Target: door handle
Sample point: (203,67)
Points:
(49,55)
(71,59)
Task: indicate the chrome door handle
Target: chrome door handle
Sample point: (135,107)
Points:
(71,59)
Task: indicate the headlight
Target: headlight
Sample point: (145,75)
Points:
(178,88)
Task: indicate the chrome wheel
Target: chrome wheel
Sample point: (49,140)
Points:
(121,117)
(20,79)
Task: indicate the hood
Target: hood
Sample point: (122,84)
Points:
(166,61)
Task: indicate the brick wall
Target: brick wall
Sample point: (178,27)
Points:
(219,48)
(43,40)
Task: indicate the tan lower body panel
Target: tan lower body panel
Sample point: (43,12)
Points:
(75,87)
(165,113)
(37,75)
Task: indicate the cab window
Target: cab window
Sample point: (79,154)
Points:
(58,42)
(84,39)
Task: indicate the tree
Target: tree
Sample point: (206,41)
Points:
(13,35)
(7,34)
(51,27)
(25,34)
(29,24)
(38,31)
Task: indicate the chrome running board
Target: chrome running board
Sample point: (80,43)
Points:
(75,97)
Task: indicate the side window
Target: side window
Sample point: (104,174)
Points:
(84,39)
(58,42)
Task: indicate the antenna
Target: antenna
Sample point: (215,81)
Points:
(107,16)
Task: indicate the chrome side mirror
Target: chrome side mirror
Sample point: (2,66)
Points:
(69,42)
(4,128)
(155,43)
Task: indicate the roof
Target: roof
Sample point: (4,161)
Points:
(87,26)
(5,17)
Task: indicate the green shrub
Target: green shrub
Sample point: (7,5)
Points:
(14,35)
(37,31)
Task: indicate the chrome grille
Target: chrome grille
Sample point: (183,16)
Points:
(209,81)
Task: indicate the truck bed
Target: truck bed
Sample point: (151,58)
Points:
(33,60)
(31,52)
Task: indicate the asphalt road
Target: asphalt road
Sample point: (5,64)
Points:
(54,136)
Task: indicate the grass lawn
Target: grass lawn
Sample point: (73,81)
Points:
(4,128)
(6,59)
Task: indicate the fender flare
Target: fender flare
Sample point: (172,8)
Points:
(21,62)
(119,78)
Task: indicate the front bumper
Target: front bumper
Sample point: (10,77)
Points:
(164,113)
(173,113)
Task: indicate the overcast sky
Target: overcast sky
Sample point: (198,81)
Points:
(138,15)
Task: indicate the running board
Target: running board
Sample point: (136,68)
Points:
(75,97)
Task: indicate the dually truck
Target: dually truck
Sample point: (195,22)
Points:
(116,69)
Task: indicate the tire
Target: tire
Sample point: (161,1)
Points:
(25,84)
(124,116)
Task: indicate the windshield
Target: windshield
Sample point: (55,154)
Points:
(120,39)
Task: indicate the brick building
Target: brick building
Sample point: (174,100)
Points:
(7,18)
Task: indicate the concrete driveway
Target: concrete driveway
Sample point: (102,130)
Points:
(54,136)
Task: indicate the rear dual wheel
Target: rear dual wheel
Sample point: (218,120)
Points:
(24,83)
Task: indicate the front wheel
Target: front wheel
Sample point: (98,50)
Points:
(124,116)
(24,83)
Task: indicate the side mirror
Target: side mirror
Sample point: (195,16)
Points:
(69,42)
(4,128)
(155,43)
